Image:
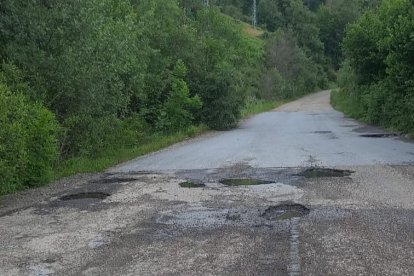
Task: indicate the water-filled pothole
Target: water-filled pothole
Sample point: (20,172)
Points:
(243,182)
(324,172)
(285,211)
(190,184)
(90,195)
(379,135)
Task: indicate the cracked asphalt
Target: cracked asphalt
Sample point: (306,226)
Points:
(139,221)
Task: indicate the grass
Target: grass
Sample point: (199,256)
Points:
(118,155)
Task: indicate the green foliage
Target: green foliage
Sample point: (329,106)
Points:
(269,15)
(28,145)
(332,21)
(379,51)
(113,74)
(290,73)
(225,77)
(178,110)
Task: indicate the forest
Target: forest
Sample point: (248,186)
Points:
(87,84)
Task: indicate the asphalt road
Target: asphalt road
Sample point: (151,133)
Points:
(302,133)
(332,202)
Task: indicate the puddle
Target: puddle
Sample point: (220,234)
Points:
(285,211)
(92,195)
(190,184)
(379,135)
(243,182)
(324,172)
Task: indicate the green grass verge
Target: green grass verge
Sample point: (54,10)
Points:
(118,155)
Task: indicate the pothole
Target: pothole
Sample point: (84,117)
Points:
(285,211)
(325,172)
(378,135)
(243,182)
(190,184)
(91,195)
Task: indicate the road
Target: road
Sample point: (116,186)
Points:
(336,197)
(298,134)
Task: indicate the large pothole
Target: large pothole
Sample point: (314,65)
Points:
(87,195)
(243,182)
(285,211)
(324,172)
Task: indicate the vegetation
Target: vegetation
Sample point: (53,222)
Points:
(27,140)
(376,78)
(87,84)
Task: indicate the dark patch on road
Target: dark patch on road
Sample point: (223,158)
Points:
(88,195)
(233,217)
(244,182)
(322,132)
(324,172)
(379,135)
(285,211)
(349,125)
(190,184)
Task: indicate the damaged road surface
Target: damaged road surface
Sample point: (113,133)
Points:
(295,191)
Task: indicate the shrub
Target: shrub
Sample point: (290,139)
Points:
(28,144)
(177,112)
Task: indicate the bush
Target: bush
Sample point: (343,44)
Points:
(28,144)
(379,51)
(178,110)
